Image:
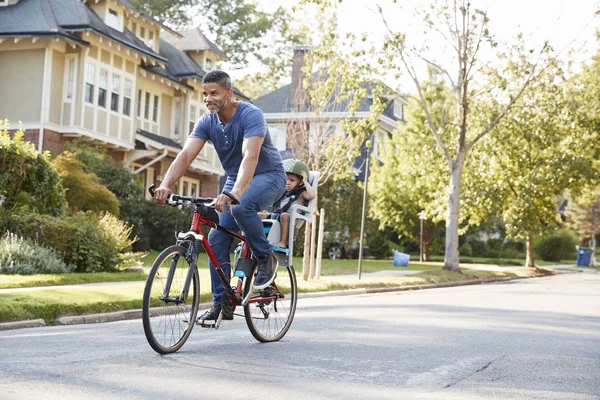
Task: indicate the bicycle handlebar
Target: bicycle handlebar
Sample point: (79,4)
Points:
(174,199)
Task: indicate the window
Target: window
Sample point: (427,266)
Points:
(398,110)
(194,190)
(139,103)
(70,77)
(112,19)
(150,41)
(134,28)
(116,90)
(208,64)
(127,97)
(142,33)
(192,117)
(185,188)
(177,120)
(89,83)
(155,109)
(102,87)
(147,106)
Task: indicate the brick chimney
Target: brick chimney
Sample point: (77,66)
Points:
(298,95)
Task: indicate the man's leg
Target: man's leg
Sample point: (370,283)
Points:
(220,242)
(262,192)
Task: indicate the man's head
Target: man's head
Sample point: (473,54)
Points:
(217,90)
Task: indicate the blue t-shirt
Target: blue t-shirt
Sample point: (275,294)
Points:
(248,121)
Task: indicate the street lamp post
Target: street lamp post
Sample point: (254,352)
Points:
(368,145)
(422,218)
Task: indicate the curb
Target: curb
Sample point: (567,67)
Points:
(137,314)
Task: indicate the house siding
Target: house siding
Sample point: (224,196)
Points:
(21,78)
(56,86)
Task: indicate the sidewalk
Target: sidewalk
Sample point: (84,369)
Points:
(136,314)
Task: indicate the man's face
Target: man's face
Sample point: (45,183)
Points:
(216,96)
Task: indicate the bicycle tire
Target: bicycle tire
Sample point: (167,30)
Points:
(168,325)
(279,314)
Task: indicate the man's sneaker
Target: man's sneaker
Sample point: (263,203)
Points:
(211,316)
(266,271)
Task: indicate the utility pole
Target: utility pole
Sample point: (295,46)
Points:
(368,145)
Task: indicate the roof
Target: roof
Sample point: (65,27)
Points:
(194,40)
(180,64)
(158,139)
(63,18)
(130,5)
(279,102)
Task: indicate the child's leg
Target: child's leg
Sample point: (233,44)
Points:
(284,220)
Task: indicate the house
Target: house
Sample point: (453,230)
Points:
(104,71)
(288,112)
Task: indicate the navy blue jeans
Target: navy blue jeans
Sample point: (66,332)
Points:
(261,193)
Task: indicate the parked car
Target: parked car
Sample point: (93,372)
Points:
(339,245)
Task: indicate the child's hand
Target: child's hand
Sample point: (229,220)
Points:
(304,177)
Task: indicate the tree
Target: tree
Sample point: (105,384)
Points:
(172,12)
(535,154)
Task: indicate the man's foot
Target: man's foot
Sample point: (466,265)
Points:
(266,271)
(283,245)
(212,315)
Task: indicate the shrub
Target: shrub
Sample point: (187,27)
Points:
(27,179)
(81,239)
(465,250)
(22,256)
(479,247)
(84,190)
(557,246)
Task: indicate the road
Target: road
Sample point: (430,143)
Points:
(527,339)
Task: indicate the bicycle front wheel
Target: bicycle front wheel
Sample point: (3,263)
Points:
(270,311)
(168,313)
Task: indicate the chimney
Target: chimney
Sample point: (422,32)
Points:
(298,95)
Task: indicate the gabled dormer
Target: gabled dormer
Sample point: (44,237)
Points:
(198,47)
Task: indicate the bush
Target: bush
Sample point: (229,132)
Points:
(22,256)
(154,226)
(84,190)
(557,246)
(27,179)
(83,240)
(479,247)
(465,250)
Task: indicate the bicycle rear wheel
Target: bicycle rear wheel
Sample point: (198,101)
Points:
(270,311)
(168,321)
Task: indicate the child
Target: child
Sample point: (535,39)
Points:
(297,191)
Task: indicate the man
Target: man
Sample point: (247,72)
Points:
(255,176)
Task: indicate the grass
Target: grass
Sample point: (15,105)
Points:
(51,303)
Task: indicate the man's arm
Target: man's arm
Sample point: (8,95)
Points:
(177,169)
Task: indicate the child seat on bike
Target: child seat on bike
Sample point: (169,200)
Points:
(298,213)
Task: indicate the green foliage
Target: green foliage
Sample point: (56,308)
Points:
(175,12)
(28,181)
(112,174)
(466,250)
(84,190)
(22,256)
(556,246)
(379,240)
(340,200)
(89,242)
(154,226)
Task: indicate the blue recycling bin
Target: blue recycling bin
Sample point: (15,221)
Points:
(401,259)
(584,257)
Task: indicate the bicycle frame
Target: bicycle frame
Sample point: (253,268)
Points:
(235,295)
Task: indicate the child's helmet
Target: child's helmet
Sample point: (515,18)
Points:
(295,166)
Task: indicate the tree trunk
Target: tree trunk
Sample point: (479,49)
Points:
(451,255)
(529,262)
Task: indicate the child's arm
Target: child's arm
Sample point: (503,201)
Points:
(310,193)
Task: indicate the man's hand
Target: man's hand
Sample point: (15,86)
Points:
(161,195)
(223,203)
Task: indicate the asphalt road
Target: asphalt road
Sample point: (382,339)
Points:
(526,339)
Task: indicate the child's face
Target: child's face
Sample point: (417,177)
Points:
(293,180)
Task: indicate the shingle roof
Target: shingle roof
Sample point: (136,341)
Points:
(279,101)
(194,40)
(61,18)
(180,64)
(160,139)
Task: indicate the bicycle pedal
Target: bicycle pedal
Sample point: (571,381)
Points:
(205,324)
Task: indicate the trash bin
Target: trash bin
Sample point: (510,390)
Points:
(401,259)
(584,257)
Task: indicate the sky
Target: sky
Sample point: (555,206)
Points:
(567,24)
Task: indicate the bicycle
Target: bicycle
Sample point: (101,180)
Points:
(172,292)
